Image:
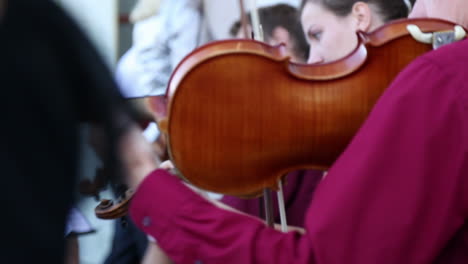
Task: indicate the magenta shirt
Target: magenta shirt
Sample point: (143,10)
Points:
(398,194)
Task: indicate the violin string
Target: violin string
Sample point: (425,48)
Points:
(282,209)
(409,5)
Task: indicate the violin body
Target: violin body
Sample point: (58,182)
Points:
(239,115)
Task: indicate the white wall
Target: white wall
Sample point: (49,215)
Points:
(98,18)
(220,21)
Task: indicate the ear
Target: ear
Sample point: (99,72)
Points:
(280,35)
(362,13)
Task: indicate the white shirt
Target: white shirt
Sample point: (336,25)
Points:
(160,43)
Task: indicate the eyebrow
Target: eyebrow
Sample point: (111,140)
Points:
(314,27)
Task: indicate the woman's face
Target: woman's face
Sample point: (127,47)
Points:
(330,37)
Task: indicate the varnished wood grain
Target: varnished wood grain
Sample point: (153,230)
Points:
(240,116)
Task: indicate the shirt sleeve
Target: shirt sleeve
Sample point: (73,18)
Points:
(185,34)
(398,192)
(77,224)
(394,196)
(171,40)
(152,53)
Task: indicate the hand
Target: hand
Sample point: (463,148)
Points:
(167,165)
(160,147)
(154,254)
(137,156)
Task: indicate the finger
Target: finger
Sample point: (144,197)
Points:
(167,165)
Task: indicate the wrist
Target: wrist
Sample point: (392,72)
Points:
(139,172)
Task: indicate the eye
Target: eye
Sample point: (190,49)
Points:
(314,34)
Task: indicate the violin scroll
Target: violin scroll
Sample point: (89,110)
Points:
(108,209)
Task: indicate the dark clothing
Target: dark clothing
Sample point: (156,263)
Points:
(128,245)
(51,78)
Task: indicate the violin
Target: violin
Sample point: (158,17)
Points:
(238,115)
(112,209)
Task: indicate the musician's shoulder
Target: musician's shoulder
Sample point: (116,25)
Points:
(450,55)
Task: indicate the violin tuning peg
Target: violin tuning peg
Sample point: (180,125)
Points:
(460,33)
(418,35)
(105,204)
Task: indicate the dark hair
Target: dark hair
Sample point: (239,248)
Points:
(388,9)
(280,15)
